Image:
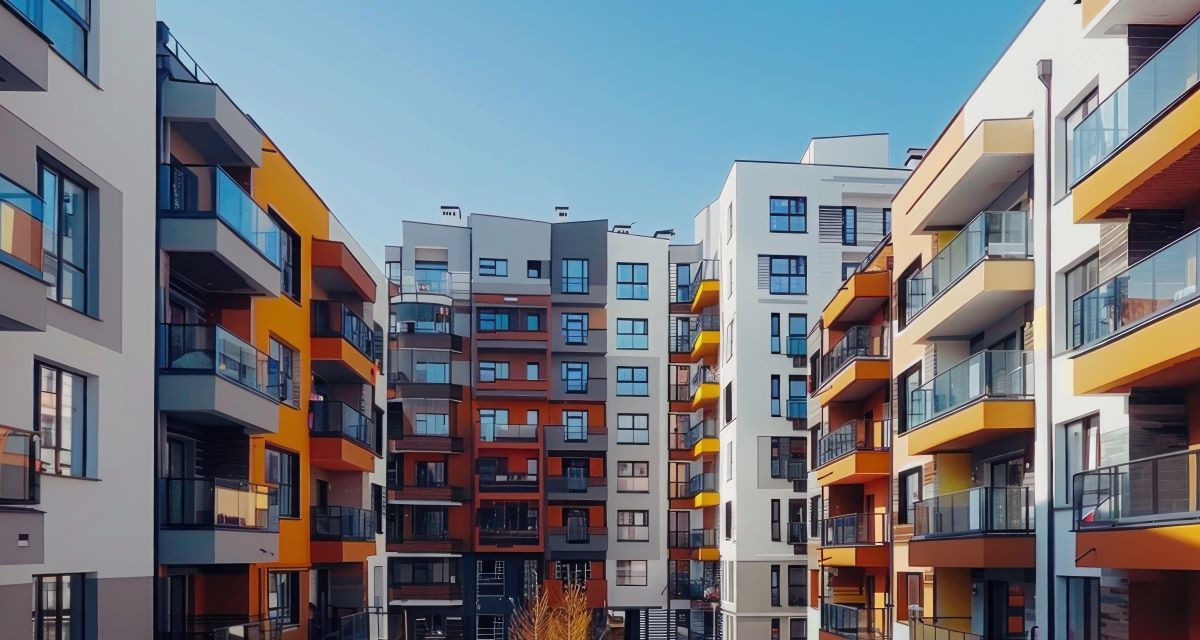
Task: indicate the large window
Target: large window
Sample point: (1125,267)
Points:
(789,215)
(849,225)
(438,570)
(283,470)
(631,573)
(633,526)
(632,333)
(62,421)
(432,372)
(1080,279)
(910,494)
(575,377)
(575,328)
(633,477)
(289,259)
(1077,115)
(633,381)
(633,281)
(797,576)
(283,596)
(494,320)
(59,612)
(1083,608)
(633,428)
(431,424)
(493,371)
(1082,450)
(285,379)
(65,23)
(788,274)
(493,267)
(574,275)
(65,240)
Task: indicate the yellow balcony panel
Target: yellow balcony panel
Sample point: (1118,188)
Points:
(1162,351)
(1103,18)
(858,467)
(989,290)
(995,154)
(873,556)
(1165,547)
(705,395)
(974,424)
(706,499)
(707,554)
(858,298)
(706,446)
(706,344)
(707,294)
(856,380)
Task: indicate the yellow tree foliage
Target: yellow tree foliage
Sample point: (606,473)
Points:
(571,619)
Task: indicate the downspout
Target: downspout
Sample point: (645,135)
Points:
(1045,70)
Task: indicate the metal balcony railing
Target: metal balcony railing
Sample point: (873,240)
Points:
(973,512)
(985,374)
(493,432)
(700,323)
(862,341)
(333,319)
(856,435)
(855,530)
(797,532)
(213,349)
(338,419)
(1156,491)
(344,524)
(703,270)
(454,284)
(856,623)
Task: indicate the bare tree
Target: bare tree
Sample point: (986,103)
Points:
(569,619)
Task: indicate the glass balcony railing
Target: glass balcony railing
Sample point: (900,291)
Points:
(332,418)
(1148,92)
(702,271)
(333,319)
(858,342)
(1156,491)
(797,346)
(702,482)
(220,627)
(856,435)
(206,190)
(692,539)
(855,530)
(213,349)
(797,532)
(495,432)
(699,431)
(797,409)
(344,524)
(973,512)
(703,375)
(433,281)
(796,469)
(207,503)
(20,229)
(1158,283)
(18,467)
(703,322)
(856,623)
(991,374)
(992,234)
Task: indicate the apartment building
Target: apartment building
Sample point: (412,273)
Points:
(527,403)
(270,489)
(76,276)
(773,245)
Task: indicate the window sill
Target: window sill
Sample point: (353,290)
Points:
(47,474)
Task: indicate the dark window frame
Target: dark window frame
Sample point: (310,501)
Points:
(633,324)
(287,480)
(81,267)
(784,219)
(634,387)
(575,284)
(496,267)
(849,226)
(794,270)
(78,465)
(630,287)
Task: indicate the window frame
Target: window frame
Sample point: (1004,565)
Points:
(906,508)
(849,226)
(572,335)
(632,288)
(776,326)
(533,269)
(73,613)
(627,577)
(497,367)
(633,467)
(292,484)
(789,215)
(639,532)
(286,376)
(575,284)
(289,258)
(81,266)
(633,324)
(496,267)
(290,610)
(633,384)
(637,435)
(78,465)
(796,270)
(573,383)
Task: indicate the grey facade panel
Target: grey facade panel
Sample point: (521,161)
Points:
(211,123)
(213,248)
(22,526)
(212,399)
(23,305)
(24,55)
(216,546)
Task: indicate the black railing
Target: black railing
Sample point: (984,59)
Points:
(858,342)
(218,503)
(855,530)
(338,419)
(856,435)
(700,323)
(797,532)
(707,269)
(856,623)
(1156,491)
(343,524)
(213,349)
(977,511)
(333,319)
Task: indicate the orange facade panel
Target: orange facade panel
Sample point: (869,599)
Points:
(982,552)
(340,454)
(338,359)
(858,298)
(337,551)
(1174,547)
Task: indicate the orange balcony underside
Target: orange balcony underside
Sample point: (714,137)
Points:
(855,468)
(873,556)
(858,298)
(706,554)
(327,551)
(340,454)
(339,272)
(982,552)
(1163,352)
(1169,547)
(707,294)
(973,425)
(856,381)
(337,354)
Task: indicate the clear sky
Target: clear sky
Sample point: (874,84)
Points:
(631,110)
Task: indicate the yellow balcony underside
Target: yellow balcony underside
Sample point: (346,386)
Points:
(1165,351)
(1167,547)
(859,297)
(706,395)
(988,291)
(706,446)
(855,468)
(977,423)
(873,556)
(1147,161)
(706,345)
(706,499)
(856,381)
(707,554)
(707,294)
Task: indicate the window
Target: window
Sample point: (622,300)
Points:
(533,371)
(729,462)
(775,347)
(729,520)
(788,274)
(633,526)
(575,328)
(729,222)
(575,377)
(431,424)
(575,426)
(65,23)
(633,281)
(632,333)
(283,596)
(797,585)
(432,372)
(633,428)
(775,516)
(631,573)
(848,269)
(797,326)
(1083,608)
(633,477)
(729,343)
(573,571)
(429,473)
(633,381)
(62,421)
(59,612)
(65,238)
(1073,155)
(814,516)
(789,215)
(683,282)
(1080,280)
(289,259)
(493,320)
(887,221)
(849,225)
(775,407)
(439,571)
(533,321)
(284,379)
(1082,439)
(574,275)
(797,629)
(493,267)
(907,383)
(493,371)
(729,403)
(533,269)
(797,397)
(774,585)
(911,597)
(910,494)
(283,470)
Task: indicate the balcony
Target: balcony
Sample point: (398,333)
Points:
(860,296)
(508,482)
(855,623)
(702,488)
(797,347)
(24,51)
(339,273)
(429,540)
(342,438)
(979,528)
(705,387)
(705,331)
(1139,147)
(577,541)
(221,627)
(1137,328)
(217,521)
(216,234)
(987,396)
(343,345)
(797,533)
(946,628)
(427,494)
(595,591)
(19,480)
(855,453)
(343,534)
(702,543)
(508,536)
(577,487)
(576,437)
(856,367)
(706,285)
(23,306)
(425,426)
(1107,18)
(210,376)
(985,272)
(426,375)
(855,540)
(702,439)
(431,593)
(427,285)
(797,409)
(522,435)
(1143,514)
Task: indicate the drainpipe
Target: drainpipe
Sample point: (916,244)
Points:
(1045,70)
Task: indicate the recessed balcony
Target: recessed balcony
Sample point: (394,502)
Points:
(703,490)
(705,331)
(705,387)
(432,594)
(576,437)
(577,488)
(217,521)
(342,439)
(343,534)
(23,305)
(855,623)
(855,540)
(577,540)
(505,482)
(504,435)
(706,285)
(702,438)
(856,367)
(702,543)
(980,528)
(442,494)
(343,345)
(854,453)
(429,285)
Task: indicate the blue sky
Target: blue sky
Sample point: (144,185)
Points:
(626,109)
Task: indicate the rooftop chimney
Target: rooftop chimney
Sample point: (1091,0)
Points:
(914,157)
(562,214)
(451,215)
